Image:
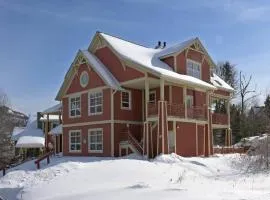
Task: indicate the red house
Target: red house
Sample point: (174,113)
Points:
(119,97)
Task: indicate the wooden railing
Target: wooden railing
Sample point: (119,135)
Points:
(178,110)
(45,156)
(220,118)
(229,149)
(197,112)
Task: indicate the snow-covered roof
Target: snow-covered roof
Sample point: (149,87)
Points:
(54,109)
(51,118)
(17,131)
(30,142)
(219,83)
(101,70)
(149,59)
(58,130)
(30,130)
(175,48)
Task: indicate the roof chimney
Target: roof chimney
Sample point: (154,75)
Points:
(158,45)
(164,45)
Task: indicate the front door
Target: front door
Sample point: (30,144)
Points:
(171,141)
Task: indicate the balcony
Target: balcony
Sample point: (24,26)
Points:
(178,111)
(220,118)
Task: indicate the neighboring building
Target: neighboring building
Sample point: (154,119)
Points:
(119,97)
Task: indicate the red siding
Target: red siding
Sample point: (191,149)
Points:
(106,115)
(112,62)
(177,95)
(199,98)
(94,80)
(169,61)
(196,56)
(200,139)
(222,92)
(186,139)
(84,136)
(136,110)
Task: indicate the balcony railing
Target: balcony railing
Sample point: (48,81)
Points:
(219,118)
(178,110)
(197,112)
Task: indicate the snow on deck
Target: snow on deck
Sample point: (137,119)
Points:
(58,130)
(166,177)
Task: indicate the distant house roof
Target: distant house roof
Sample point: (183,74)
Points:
(54,109)
(29,131)
(30,142)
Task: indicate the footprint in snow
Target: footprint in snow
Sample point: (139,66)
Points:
(138,186)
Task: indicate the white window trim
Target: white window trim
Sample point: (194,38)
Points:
(193,61)
(93,92)
(69,133)
(153,92)
(69,106)
(83,73)
(95,151)
(130,102)
(191,98)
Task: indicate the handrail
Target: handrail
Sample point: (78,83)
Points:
(135,142)
(45,156)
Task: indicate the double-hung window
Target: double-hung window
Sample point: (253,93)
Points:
(95,103)
(194,69)
(126,100)
(95,140)
(75,141)
(75,106)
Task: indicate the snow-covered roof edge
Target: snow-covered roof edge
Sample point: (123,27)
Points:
(54,109)
(220,83)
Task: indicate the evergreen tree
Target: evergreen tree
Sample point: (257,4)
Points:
(267,106)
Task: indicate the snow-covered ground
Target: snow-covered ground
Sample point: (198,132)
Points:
(166,177)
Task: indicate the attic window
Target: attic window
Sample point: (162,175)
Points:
(84,79)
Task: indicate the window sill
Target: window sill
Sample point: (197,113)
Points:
(95,151)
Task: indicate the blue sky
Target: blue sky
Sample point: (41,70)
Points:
(39,39)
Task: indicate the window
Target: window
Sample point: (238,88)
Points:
(75,141)
(95,103)
(84,79)
(194,69)
(152,97)
(189,101)
(126,100)
(95,140)
(75,106)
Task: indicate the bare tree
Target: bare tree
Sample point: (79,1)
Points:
(246,93)
(6,126)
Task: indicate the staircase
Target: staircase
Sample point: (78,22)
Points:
(129,142)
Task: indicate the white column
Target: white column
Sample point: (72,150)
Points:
(162,89)
(184,100)
(146,86)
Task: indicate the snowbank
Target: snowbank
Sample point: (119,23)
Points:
(166,177)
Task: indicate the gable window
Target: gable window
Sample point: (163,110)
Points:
(189,101)
(75,141)
(152,97)
(194,69)
(95,140)
(95,103)
(126,100)
(75,106)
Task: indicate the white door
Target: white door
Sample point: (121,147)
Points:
(171,141)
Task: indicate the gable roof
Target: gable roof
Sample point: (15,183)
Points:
(148,59)
(96,65)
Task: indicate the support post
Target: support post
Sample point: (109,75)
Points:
(146,86)
(184,100)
